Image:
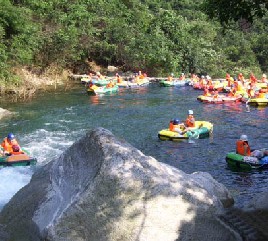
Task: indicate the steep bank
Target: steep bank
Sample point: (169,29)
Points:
(31,81)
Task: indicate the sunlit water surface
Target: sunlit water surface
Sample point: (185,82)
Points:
(51,122)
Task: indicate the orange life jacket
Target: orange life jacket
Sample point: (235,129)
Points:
(242,148)
(190,122)
(7,145)
(169,78)
(206,92)
(174,127)
(119,79)
(171,125)
(110,85)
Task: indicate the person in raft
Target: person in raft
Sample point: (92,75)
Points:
(8,144)
(190,121)
(177,126)
(242,146)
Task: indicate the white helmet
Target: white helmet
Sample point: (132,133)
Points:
(190,112)
(244,138)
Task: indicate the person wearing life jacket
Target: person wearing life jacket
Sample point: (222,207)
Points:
(232,92)
(206,92)
(182,77)
(170,77)
(264,78)
(250,91)
(252,78)
(190,121)
(241,78)
(141,76)
(171,125)
(8,142)
(216,94)
(118,78)
(178,126)
(242,146)
(99,76)
(16,150)
(110,84)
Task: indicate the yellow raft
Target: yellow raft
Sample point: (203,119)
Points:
(201,130)
(258,101)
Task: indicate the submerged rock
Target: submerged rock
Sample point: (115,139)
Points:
(102,188)
(4,113)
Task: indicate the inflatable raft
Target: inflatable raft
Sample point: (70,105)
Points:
(237,161)
(220,100)
(17,160)
(258,102)
(101,90)
(202,130)
(166,83)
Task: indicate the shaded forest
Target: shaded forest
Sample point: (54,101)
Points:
(157,37)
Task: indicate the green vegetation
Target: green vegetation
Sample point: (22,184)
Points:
(157,37)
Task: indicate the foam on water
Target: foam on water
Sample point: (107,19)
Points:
(42,144)
(12,180)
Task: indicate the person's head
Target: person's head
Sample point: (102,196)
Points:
(190,112)
(10,136)
(15,148)
(176,121)
(243,138)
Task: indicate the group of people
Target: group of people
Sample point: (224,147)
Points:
(10,146)
(249,85)
(182,127)
(242,146)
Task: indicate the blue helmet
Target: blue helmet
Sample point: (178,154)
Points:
(10,136)
(176,121)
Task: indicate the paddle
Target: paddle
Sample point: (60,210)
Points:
(247,106)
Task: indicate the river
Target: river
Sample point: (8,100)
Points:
(48,124)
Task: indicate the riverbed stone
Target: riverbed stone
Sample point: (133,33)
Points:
(102,188)
(4,113)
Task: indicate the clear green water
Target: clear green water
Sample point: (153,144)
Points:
(51,122)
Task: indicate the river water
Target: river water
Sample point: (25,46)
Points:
(48,124)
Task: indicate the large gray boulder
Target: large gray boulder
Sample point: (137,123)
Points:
(102,188)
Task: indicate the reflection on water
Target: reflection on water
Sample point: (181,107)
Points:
(49,124)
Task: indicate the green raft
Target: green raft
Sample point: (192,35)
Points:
(17,160)
(102,90)
(166,83)
(246,163)
(203,130)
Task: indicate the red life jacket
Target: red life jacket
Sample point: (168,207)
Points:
(242,148)
(190,122)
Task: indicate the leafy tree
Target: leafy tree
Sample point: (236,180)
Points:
(234,10)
